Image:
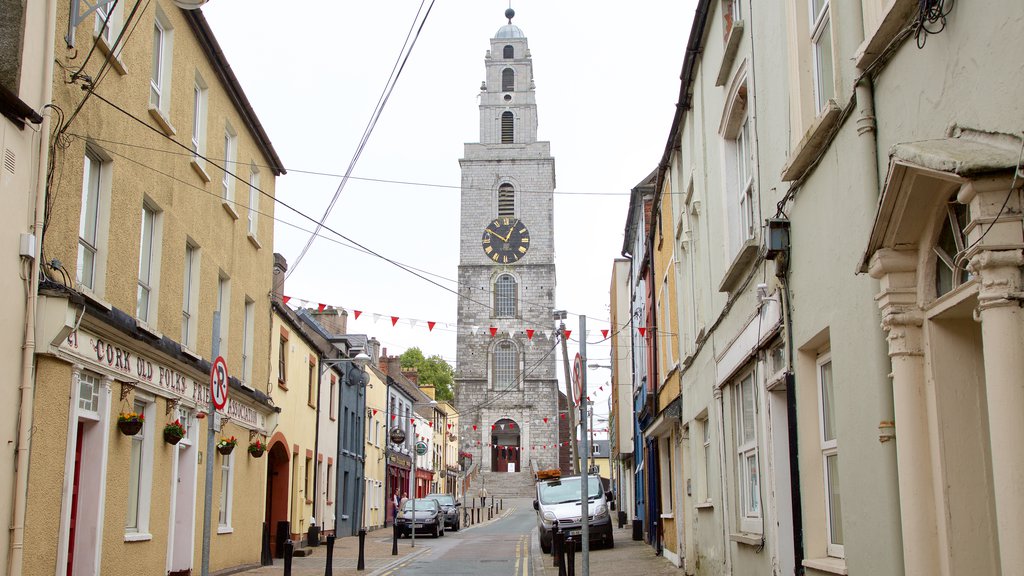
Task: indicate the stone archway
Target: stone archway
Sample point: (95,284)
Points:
(506,446)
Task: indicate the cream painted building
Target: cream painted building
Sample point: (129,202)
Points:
(377,447)
(155,244)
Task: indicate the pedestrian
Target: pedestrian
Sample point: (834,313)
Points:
(483,497)
(394,507)
(405,498)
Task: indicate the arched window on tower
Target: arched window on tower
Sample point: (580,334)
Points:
(505,296)
(508,52)
(504,362)
(508,80)
(507,128)
(506,200)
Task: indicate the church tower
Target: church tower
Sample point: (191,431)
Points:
(506,361)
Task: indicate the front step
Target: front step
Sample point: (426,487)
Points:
(304,551)
(503,485)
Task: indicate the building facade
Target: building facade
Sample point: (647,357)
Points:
(505,375)
(157,266)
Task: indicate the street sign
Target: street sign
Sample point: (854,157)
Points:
(397,436)
(577,377)
(421,448)
(219,383)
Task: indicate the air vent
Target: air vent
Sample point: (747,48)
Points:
(9,160)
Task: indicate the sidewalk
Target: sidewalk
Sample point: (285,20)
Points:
(627,557)
(376,556)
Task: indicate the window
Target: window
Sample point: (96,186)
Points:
(190,296)
(330,477)
(949,248)
(307,480)
(160,72)
(311,387)
(505,360)
(668,343)
(254,200)
(147,267)
(744,181)
(108,22)
(230,155)
(508,80)
(505,296)
(507,129)
(199,99)
(704,494)
(830,457)
(506,200)
(227,481)
(89,393)
(140,473)
(334,391)
(247,342)
(223,310)
(508,52)
(731,13)
(88,226)
(821,43)
(739,163)
(282,363)
(746,449)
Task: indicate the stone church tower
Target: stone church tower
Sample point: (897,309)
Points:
(506,359)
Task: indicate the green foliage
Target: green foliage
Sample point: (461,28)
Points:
(433,371)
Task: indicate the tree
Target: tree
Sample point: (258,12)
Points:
(433,371)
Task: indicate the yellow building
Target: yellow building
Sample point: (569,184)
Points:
(375,465)
(150,243)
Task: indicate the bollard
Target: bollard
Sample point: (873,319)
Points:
(394,540)
(477,515)
(556,546)
(360,564)
(488,514)
(501,504)
(329,569)
(289,546)
(266,558)
(571,557)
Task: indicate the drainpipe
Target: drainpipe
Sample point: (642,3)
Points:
(791,419)
(726,518)
(27,387)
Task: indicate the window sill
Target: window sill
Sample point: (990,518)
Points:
(311,405)
(282,385)
(163,121)
(830,565)
(137,537)
(225,530)
(890,25)
(814,140)
(747,538)
(330,502)
(743,260)
(200,171)
(94,298)
(707,505)
(254,241)
(190,353)
(665,515)
(148,329)
(114,59)
(732,45)
(229,209)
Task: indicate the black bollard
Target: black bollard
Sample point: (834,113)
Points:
(501,504)
(266,558)
(289,546)
(360,564)
(571,557)
(556,546)
(329,569)
(394,540)
(477,515)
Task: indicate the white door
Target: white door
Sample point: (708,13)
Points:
(181,544)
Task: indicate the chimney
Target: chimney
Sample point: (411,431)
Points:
(280,268)
(333,320)
(412,375)
(373,349)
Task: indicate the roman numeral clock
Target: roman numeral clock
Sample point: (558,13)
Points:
(506,240)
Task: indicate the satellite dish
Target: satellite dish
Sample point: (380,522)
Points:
(189,4)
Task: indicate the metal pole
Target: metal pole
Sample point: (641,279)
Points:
(584,478)
(211,431)
(412,476)
(573,452)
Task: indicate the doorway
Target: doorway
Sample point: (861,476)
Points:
(183,504)
(505,448)
(277,498)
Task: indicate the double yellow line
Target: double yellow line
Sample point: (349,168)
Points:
(522,556)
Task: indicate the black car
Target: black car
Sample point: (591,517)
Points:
(429,518)
(450,508)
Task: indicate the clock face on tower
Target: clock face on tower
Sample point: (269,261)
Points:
(505,240)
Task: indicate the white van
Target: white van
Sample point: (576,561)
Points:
(558,504)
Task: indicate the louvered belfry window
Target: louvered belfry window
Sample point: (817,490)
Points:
(506,200)
(508,80)
(508,52)
(507,130)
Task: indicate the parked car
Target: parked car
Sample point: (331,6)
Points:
(429,518)
(558,504)
(450,508)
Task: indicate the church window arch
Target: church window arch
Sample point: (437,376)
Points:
(507,127)
(506,296)
(504,365)
(508,80)
(508,52)
(506,200)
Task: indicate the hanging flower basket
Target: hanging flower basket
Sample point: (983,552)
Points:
(226,445)
(256,449)
(130,423)
(174,432)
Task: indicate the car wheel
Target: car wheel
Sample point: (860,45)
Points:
(545,548)
(458,526)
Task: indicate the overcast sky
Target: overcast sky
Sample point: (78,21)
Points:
(607,80)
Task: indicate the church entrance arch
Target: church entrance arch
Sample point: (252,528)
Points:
(505,446)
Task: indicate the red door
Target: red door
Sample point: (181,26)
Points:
(74,501)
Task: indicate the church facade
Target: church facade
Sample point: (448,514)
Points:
(506,360)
